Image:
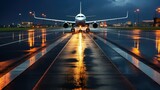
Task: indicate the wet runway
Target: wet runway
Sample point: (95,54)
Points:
(145,44)
(15,46)
(53,59)
(82,65)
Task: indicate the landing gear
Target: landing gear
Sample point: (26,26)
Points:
(80,30)
(87,30)
(73,29)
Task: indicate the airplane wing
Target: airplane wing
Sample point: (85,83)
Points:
(111,19)
(56,20)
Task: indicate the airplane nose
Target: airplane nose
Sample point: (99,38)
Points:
(80,19)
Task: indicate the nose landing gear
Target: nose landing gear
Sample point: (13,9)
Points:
(73,30)
(80,30)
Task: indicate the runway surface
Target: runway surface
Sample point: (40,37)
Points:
(15,46)
(56,59)
(145,44)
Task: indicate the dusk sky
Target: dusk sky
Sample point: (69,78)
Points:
(58,9)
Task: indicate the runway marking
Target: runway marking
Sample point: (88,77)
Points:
(153,74)
(112,62)
(22,67)
(39,81)
(81,43)
(20,40)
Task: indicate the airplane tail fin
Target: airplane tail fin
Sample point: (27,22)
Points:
(80,7)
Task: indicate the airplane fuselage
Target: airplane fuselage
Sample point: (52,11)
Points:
(80,20)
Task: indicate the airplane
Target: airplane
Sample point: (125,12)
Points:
(80,21)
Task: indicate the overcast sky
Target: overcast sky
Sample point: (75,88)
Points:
(103,9)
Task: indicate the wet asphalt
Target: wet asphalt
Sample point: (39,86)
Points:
(17,46)
(145,44)
(81,64)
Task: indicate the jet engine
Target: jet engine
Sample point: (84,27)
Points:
(95,25)
(65,25)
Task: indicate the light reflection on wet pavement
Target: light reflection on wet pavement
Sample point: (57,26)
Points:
(145,44)
(83,66)
(18,70)
(19,45)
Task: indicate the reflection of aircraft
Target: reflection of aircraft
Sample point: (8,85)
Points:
(80,21)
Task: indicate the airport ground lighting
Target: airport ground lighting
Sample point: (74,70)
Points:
(138,10)
(44,15)
(30,12)
(19,14)
(158,10)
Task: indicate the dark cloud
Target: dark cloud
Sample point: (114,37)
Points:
(60,8)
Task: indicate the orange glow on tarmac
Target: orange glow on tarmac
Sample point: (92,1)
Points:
(136,39)
(43,37)
(157,33)
(4,80)
(80,76)
(31,38)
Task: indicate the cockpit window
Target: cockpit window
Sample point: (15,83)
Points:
(80,16)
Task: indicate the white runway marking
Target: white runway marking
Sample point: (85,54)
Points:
(11,75)
(153,74)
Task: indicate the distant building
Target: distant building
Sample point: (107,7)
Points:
(157,22)
(147,23)
(26,24)
(118,25)
(103,24)
(128,24)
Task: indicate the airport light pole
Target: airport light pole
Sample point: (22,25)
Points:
(157,11)
(30,13)
(19,18)
(135,19)
(156,16)
(43,15)
(137,12)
